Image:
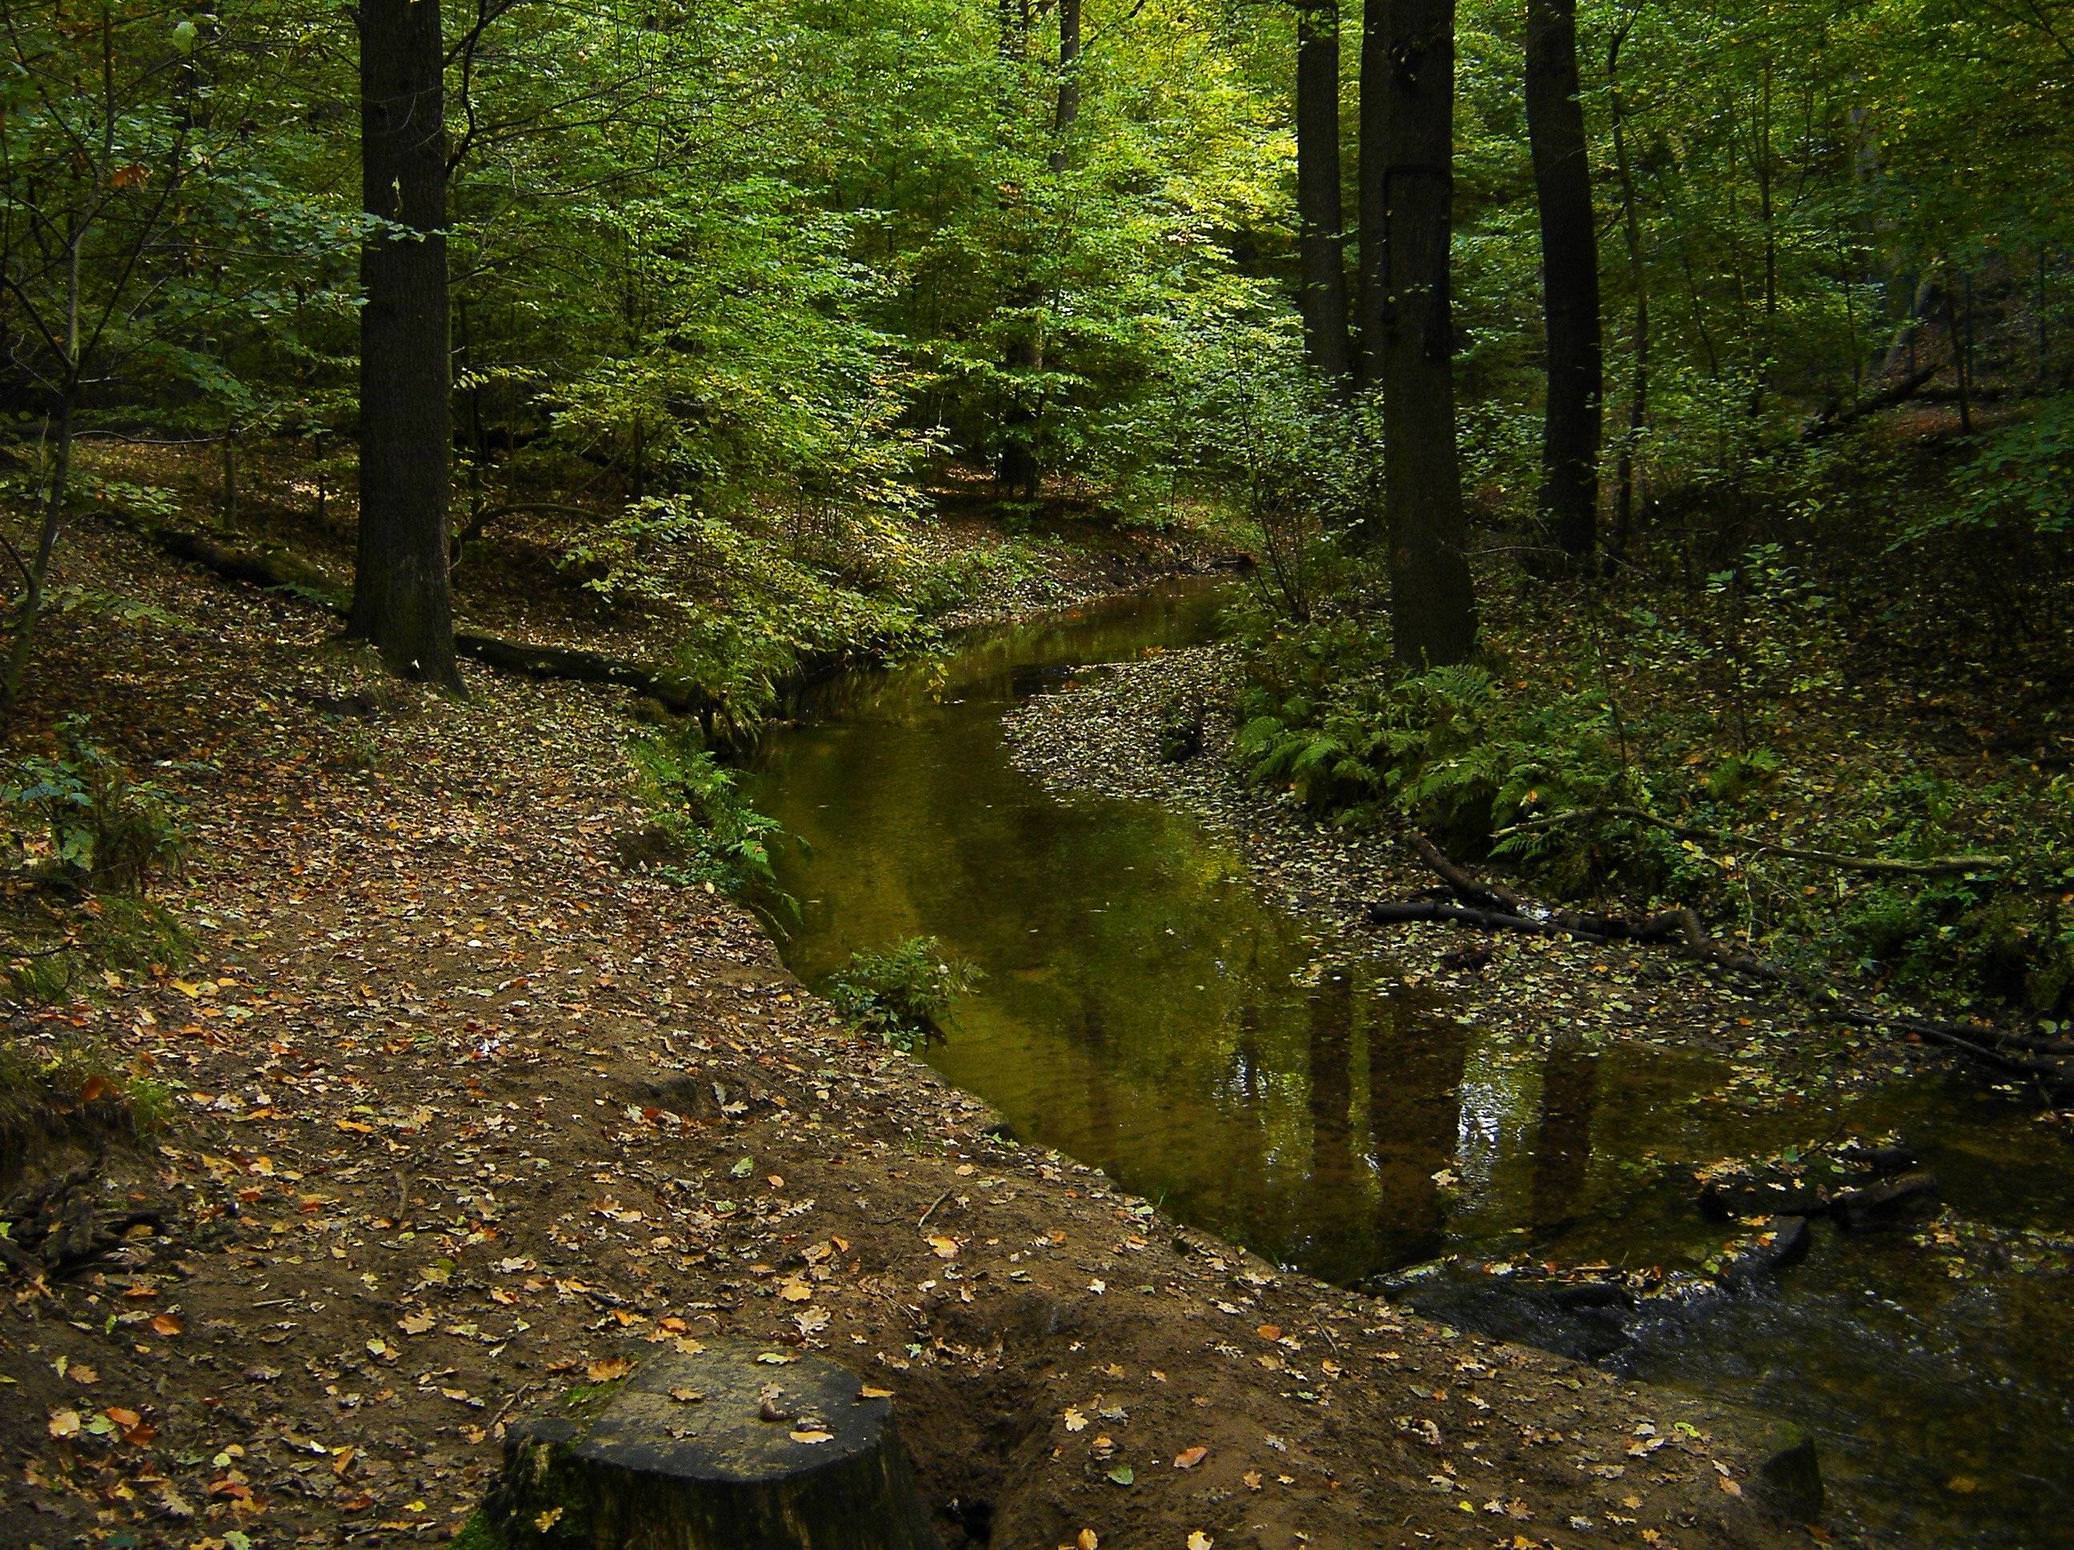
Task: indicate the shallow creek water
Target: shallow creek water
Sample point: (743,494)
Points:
(1149,1011)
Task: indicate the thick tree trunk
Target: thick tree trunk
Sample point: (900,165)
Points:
(1569,496)
(1433,601)
(1321,222)
(400,594)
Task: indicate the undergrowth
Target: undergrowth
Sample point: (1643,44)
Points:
(1708,715)
(902,995)
(700,832)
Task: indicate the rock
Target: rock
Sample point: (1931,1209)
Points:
(1584,1320)
(1783,1241)
(715,1451)
(1789,1478)
(1885,1204)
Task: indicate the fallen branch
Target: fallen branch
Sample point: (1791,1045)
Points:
(1831,421)
(1932,866)
(1491,906)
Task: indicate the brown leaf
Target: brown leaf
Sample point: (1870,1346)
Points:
(1188,1458)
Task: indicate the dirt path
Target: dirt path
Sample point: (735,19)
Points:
(467,1119)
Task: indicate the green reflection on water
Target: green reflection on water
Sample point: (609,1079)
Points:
(1147,1012)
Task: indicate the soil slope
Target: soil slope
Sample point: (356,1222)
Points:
(467,1119)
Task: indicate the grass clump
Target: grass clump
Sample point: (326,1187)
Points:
(902,995)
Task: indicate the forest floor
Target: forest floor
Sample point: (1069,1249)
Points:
(465,1119)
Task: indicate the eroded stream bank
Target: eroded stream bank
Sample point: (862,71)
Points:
(1270,1075)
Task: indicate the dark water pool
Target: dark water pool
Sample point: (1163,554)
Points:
(1148,1011)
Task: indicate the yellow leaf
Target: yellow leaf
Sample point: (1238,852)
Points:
(1198,1540)
(946,1248)
(64,1423)
(607,1369)
(1087,1539)
(1188,1458)
(813,1436)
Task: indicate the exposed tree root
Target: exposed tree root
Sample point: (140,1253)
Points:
(270,565)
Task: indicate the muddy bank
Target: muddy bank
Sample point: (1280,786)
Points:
(465,1120)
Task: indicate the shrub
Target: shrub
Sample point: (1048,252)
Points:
(79,816)
(903,994)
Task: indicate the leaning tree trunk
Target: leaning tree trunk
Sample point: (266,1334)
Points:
(1432,597)
(1569,496)
(1320,220)
(400,595)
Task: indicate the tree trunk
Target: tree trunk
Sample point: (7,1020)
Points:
(1961,361)
(1321,222)
(400,596)
(1433,601)
(1638,280)
(1369,197)
(1569,495)
(1019,466)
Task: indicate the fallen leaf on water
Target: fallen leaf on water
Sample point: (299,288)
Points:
(1086,1539)
(946,1248)
(167,1324)
(1188,1458)
(1269,1332)
(868,1392)
(606,1369)
(685,1396)
(1075,1421)
(813,1436)
(64,1423)
(1123,1474)
(1198,1540)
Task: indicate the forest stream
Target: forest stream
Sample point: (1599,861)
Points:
(1148,1011)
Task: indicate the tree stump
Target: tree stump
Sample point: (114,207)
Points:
(715,1451)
